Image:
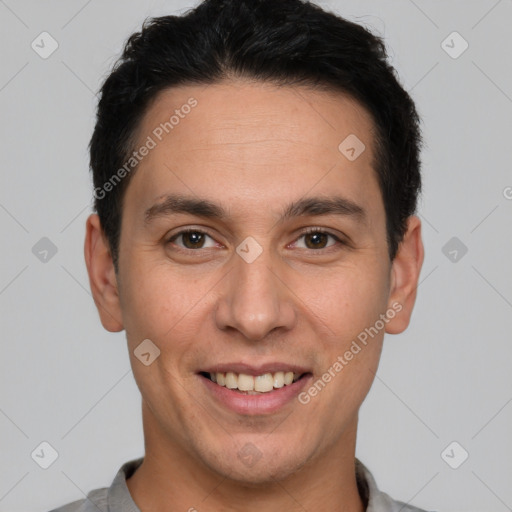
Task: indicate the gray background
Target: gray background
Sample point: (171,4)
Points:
(66,381)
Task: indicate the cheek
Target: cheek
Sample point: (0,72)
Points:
(352,305)
(168,306)
(348,300)
(151,302)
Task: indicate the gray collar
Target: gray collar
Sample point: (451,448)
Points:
(120,500)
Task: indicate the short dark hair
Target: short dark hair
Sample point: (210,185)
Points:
(286,42)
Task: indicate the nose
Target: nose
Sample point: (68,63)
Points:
(255,299)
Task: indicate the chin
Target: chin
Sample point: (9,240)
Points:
(253,467)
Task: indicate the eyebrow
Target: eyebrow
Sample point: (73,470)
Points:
(309,206)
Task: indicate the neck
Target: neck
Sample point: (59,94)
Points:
(171,480)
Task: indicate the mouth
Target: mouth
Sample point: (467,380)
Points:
(251,390)
(247,384)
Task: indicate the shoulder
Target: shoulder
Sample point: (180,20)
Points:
(96,501)
(378,501)
(388,504)
(117,495)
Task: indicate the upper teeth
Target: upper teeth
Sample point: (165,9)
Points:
(261,383)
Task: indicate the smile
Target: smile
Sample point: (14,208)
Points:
(256,384)
(248,390)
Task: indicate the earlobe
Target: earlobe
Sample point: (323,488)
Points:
(405,272)
(102,276)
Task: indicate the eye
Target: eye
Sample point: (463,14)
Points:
(315,238)
(192,239)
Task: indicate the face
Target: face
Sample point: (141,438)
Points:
(253,247)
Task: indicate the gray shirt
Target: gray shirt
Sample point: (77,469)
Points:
(117,498)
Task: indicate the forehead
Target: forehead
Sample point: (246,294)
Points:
(228,108)
(250,139)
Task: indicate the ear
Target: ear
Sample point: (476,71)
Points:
(405,272)
(102,276)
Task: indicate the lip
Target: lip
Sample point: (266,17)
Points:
(254,370)
(253,405)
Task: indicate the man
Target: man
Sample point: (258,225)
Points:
(256,169)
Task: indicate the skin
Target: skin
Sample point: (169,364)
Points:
(252,148)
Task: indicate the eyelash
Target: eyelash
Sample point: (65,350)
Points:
(307,231)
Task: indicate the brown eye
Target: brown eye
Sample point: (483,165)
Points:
(316,240)
(192,239)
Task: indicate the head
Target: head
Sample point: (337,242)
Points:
(250,124)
